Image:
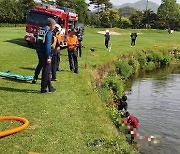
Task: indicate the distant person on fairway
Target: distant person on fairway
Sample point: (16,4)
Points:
(107,38)
(133,39)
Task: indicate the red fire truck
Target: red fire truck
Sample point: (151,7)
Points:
(67,18)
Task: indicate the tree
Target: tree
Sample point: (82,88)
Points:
(81,8)
(169,12)
(11,12)
(114,17)
(109,18)
(26,5)
(51,2)
(66,3)
(136,19)
(149,19)
(124,23)
(106,5)
(101,5)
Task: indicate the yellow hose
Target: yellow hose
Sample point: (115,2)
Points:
(14,130)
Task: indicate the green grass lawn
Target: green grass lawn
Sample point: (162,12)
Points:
(65,121)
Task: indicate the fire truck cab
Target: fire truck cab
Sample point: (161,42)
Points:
(67,18)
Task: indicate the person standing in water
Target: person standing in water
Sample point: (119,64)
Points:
(132,124)
(107,38)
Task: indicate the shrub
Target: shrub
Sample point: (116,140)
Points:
(135,64)
(142,60)
(150,57)
(149,66)
(115,84)
(177,53)
(166,60)
(124,69)
(157,56)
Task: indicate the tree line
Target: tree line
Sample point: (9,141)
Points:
(14,11)
(167,16)
(103,15)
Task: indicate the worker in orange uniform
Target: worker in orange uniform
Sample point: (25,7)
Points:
(72,44)
(55,51)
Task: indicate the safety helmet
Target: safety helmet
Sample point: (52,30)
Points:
(58,27)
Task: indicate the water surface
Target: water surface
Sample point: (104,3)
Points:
(154,99)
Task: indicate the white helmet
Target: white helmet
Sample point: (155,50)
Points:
(58,27)
(107,30)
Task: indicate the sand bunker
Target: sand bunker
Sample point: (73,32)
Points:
(116,33)
(111,33)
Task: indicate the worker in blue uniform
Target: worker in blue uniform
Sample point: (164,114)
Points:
(44,41)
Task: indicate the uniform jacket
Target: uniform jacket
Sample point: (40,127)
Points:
(44,41)
(56,42)
(72,42)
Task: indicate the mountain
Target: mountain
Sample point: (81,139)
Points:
(127,11)
(140,5)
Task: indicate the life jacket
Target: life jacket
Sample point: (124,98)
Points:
(72,42)
(56,41)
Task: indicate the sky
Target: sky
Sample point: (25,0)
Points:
(119,2)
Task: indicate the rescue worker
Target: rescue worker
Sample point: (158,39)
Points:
(72,44)
(132,123)
(107,39)
(121,103)
(40,63)
(80,39)
(44,41)
(55,52)
(133,39)
(59,50)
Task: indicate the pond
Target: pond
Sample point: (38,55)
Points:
(154,98)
